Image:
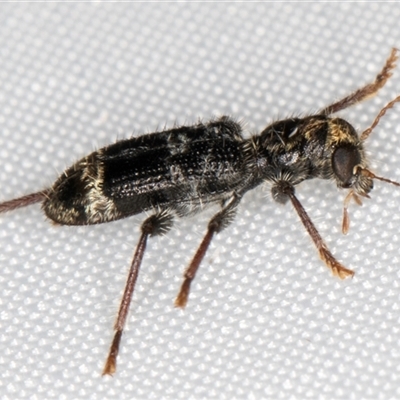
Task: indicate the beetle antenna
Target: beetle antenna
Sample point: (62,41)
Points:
(389,105)
(367,91)
(369,174)
(356,196)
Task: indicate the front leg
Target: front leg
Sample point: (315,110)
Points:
(282,191)
(217,223)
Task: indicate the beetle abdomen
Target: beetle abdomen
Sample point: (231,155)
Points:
(77,197)
(182,169)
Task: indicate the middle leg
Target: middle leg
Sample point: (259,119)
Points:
(218,222)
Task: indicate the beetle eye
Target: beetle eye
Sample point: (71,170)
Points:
(344,159)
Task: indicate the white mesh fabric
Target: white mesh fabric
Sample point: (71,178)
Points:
(265,318)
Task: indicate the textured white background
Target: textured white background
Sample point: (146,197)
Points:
(265,318)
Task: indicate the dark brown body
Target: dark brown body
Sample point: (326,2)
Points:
(185,169)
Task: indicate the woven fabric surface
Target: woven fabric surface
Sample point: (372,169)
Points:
(265,318)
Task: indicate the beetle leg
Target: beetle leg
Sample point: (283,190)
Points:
(157,224)
(217,223)
(329,259)
(23,201)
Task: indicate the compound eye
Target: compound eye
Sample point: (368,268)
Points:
(344,159)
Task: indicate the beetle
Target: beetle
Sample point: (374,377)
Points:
(179,172)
